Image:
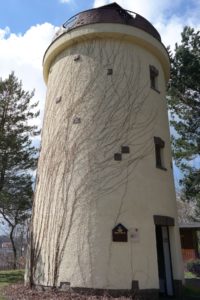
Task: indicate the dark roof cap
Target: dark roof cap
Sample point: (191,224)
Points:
(111,13)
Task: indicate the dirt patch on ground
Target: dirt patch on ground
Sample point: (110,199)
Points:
(20,292)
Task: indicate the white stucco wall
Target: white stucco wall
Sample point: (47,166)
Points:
(82,192)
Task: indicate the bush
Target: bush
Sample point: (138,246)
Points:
(194,267)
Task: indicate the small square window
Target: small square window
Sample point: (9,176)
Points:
(118,156)
(76,120)
(125,149)
(153,77)
(109,71)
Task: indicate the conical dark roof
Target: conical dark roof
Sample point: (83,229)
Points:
(111,13)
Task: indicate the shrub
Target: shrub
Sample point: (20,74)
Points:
(194,267)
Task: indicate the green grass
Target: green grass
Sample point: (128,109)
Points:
(191,291)
(10,277)
(189,275)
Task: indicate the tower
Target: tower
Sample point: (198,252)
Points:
(104,213)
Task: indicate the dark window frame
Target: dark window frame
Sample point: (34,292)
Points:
(159,147)
(154,78)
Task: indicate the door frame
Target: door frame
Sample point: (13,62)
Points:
(164,256)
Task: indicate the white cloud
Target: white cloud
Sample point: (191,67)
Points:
(65,1)
(23,54)
(4,32)
(169,17)
(98,3)
(170,32)
(149,9)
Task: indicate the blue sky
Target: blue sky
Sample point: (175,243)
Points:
(27,28)
(20,15)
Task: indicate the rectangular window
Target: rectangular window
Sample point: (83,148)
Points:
(153,77)
(159,149)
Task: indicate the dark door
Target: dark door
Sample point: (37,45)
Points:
(164,261)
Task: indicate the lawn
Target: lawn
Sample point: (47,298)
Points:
(10,277)
(189,275)
(191,290)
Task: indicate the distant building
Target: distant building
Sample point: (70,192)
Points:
(6,253)
(6,245)
(190,241)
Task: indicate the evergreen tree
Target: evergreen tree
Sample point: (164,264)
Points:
(184,104)
(17,154)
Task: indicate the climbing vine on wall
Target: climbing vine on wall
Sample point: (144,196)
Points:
(96,104)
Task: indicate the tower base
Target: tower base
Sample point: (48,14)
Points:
(134,293)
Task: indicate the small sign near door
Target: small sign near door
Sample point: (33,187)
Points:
(120,233)
(134,235)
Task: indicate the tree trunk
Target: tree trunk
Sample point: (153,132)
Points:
(14,248)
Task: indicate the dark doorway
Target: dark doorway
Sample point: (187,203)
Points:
(164,261)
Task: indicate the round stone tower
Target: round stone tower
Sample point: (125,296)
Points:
(104,215)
